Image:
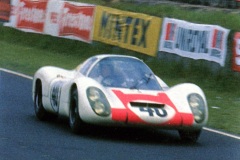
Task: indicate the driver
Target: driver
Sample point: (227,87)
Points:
(105,74)
(105,70)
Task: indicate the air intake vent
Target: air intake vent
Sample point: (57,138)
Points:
(150,105)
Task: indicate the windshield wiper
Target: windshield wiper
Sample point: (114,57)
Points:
(146,79)
(149,77)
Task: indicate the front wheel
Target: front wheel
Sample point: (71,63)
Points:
(74,119)
(40,112)
(190,136)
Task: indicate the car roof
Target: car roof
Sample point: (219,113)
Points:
(102,56)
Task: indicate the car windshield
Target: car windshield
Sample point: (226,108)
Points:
(124,72)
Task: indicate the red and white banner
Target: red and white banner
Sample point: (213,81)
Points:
(70,20)
(28,15)
(54,17)
(5,9)
(196,41)
(236,52)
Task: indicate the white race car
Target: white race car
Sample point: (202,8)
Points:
(118,90)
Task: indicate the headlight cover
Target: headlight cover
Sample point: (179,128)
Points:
(197,105)
(98,101)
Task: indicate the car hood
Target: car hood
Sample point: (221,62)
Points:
(148,107)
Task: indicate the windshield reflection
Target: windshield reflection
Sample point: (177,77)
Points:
(124,72)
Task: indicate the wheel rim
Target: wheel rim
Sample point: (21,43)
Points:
(37,103)
(73,112)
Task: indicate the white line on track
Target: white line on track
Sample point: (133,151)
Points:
(16,73)
(222,133)
(205,128)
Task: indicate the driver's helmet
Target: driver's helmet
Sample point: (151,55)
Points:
(105,69)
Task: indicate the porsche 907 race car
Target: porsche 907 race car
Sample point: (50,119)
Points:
(118,90)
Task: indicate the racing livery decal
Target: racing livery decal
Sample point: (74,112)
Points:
(55,95)
(152,109)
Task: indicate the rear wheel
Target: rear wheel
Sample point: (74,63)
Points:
(74,119)
(190,136)
(40,112)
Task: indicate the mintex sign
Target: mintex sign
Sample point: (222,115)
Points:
(134,31)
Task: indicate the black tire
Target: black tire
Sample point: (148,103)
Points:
(75,121)
(40,112)
(190,136)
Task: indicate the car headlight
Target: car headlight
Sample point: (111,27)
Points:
(98,101)
(197,105)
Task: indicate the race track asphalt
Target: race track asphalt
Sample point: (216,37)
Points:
(23,136)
